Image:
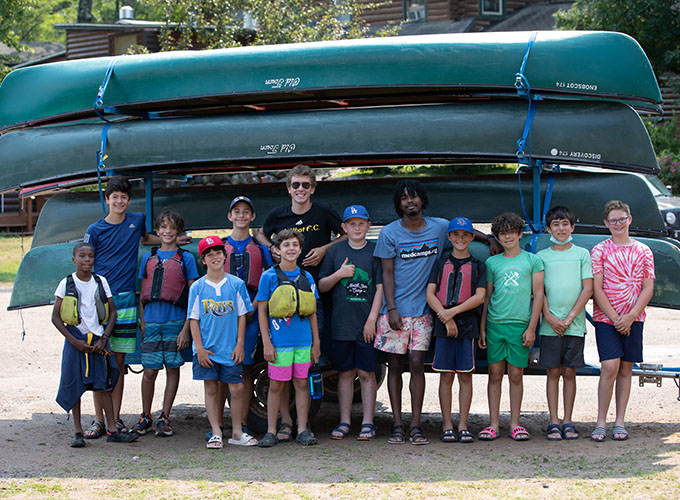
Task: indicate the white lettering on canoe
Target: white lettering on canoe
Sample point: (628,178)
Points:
(575,86)
(575,154)
(273,149)
(279,83)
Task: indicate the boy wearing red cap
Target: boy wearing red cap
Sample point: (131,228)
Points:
(218,304)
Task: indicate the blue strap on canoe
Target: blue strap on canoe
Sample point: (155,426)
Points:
(99,107)
(521,82)
(536,231)
(101,156)
(526,135)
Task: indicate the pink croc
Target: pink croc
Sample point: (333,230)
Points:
(488,434)
(519,433)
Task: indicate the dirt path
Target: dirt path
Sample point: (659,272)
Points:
(34,436)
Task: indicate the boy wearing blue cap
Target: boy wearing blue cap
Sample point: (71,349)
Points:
(354,276)
(455,292)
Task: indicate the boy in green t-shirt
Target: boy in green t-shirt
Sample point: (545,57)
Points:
(509,320)
(568,287)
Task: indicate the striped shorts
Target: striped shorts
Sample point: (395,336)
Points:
(124,336)
(159,345)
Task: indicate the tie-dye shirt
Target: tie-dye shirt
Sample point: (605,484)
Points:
(623,269)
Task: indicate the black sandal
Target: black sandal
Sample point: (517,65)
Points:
(447,436)
(417,436)
(465,436)
(120,426)
(397,435)
(77,441)
(121,437)
(95,430)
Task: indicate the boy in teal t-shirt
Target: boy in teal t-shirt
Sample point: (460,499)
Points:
(568,287)
(509,320)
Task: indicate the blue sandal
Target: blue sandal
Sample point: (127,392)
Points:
(554,432)
(367,432)
(343,428)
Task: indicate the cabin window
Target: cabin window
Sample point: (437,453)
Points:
(414,10)
(491,7)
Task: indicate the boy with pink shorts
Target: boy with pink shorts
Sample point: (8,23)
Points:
(290,337)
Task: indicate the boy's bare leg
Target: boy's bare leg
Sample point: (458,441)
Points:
(345,396)
(248,384)
(222,393)
(98,409)
(395,368)
(171,385)
(284,404)
(493,392)
(148,387)
(515,377)
(569,395)
(301,402)
(416,361)
(369,388)
(623,382)
(609,370)
(445,386)
(211,406)
(117,393)
(106,398)
(273,403)
(76,417)
(552,391)
(236,408)
(464,399)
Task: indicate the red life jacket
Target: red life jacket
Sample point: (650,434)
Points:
(165,280)
(252,262)
(456,285)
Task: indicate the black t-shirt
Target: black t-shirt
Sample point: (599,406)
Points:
(316,225)
(352,297)
(460,287)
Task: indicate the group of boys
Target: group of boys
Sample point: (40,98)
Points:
(393,296)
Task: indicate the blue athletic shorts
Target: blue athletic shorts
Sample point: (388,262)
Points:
(230,374)
(612,345)
(454,355)
(350,354)
(159,345)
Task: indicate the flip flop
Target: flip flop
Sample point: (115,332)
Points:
(569,428)
(554,432)
(214,443)
(519,433)
(487,434)
(465,436)
(598,435)
(77,441)
(448,436)
(245,440)
(621,431)
(343,428)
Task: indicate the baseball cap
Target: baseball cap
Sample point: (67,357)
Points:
(244,199)
(355,211)
(462,223)
(209,242)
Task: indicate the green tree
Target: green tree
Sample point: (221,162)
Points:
(10,11)
(653,23)
(214,24)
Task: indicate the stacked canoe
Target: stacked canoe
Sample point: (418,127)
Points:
(440,99)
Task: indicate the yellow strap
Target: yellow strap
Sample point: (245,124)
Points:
(90,336)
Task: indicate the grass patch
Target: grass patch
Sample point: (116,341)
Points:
(10,256)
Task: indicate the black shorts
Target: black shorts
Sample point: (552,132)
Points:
(350,354)
(559,351)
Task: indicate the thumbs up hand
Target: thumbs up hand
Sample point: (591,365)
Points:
(346,269)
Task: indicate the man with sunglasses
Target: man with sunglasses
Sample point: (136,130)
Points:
(316,222)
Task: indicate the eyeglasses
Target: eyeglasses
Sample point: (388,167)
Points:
(618,222)
(305,185)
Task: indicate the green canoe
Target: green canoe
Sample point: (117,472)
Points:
(560,64)
(600,134)
(42,268)
(66,216)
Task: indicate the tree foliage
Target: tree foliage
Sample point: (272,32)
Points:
(225,23)
(653,23)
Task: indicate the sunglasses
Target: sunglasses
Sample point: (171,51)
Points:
(296,185)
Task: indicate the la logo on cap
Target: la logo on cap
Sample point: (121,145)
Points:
(461,221)
(354,210)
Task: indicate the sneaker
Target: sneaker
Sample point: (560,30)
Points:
(144,425)
(163,427)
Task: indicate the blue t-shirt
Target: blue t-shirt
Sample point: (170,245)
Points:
(217,307)
(116,247)
(159,311)
(286,332)
(414,253)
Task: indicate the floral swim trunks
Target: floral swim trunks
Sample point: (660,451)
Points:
(415,335)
